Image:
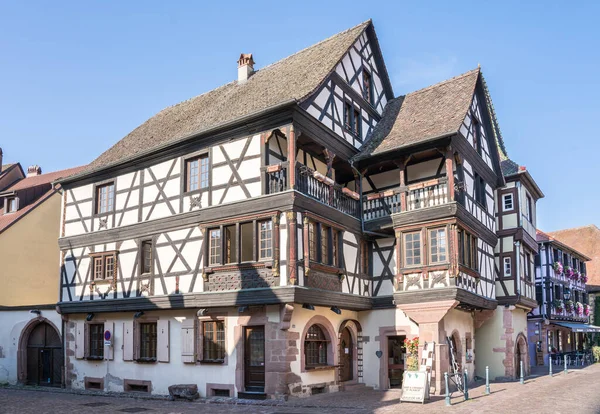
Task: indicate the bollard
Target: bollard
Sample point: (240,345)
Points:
(521,380)
(466,385)
(448,403)
(550,371)
(565,358)
(487,380)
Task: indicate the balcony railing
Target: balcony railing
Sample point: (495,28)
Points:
(276,178)
(325,190)
(416,196)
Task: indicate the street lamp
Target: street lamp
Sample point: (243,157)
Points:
(567,293)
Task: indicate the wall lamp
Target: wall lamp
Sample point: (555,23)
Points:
(243,309)
(89,317)
(202,312)
(308,306)
(138,314)
(36,311)
(335,309)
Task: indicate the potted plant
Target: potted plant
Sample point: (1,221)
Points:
(569,306)
(576,275)
(579,308)
(558,268)
(586,309)
(558,305)
(568,272)
(583,278)
(412,354)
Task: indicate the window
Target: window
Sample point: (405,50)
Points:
(315,347)
(197,173)
(325,244)
(507,267)
(96,340)
(265,239)
(527,266)
(367,87)
(11,205)
(215,247)
(480,190)
(507,202)
(146,257)
(247,242)
(312,240)
(105,198)
(467,250)
(148,341)
(476,132)
(412,249)
(213,345)
(529,208)
(104,266)
(231,252)
(352,119)
(437,245)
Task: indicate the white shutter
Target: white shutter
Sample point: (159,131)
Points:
(162,349)
(79,340)
(109,351)
(127,341)
(188,341)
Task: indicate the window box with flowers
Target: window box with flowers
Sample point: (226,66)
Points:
(568,272)
(586,310)
(569,306)
(583,278)
(558,268)
(579,308)
(558,305)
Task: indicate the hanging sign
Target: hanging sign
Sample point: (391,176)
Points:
(107,338)
(414,386)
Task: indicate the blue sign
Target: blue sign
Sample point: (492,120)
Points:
(107,335)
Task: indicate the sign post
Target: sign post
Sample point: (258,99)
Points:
(107,338)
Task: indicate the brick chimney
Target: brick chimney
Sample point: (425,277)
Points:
(33,171)
(245,67)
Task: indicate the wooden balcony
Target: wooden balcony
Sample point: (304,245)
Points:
(314,185)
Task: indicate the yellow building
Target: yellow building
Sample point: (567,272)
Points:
(29,229)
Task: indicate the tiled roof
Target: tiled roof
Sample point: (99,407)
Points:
(428,113)
(585,239)
(6,220)
(509,167)
(291,79)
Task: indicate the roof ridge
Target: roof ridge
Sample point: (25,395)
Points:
(577,228)
(435,85)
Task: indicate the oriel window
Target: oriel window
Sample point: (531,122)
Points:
(265,239)
(412,249)
(105,198)
(197,173)
(214,246)
(437,245)
(231,251)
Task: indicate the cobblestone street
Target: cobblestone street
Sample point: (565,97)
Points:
(576,391)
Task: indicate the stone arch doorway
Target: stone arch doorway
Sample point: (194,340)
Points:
(350,351)
(521,355)
(40,354)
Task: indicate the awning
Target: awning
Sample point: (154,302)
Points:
(578,327)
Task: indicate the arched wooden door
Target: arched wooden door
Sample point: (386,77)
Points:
(346,349)
(44,356)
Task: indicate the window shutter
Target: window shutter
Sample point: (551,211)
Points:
(79,340)
(128,341)
(109,351)
(188,341)
(162,350)
(86,340)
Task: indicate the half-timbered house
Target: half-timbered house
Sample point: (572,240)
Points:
(560,321)
(284,233)
(31,350)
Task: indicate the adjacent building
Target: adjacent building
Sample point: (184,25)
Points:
(31,350)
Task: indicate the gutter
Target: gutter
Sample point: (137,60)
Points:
(176,142)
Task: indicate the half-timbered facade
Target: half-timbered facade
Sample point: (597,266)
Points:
(284,233)
(559,323)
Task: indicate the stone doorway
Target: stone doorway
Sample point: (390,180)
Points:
(40,359)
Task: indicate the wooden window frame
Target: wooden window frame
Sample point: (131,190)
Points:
(527,260)
(9,201)
(202,176)
(512,202)
(218,247)
(323,341)
(103,258)
(109,200)
(318,233)
(143,257)
(352,122)
(529,207)
(89,341)
(200,339)
(348,111)
(405,249)
(475,124)
(140,339)
(469,251)
(262,237)
(215,342)
(313,244)
(368,93)
(480,192)
(504,266)
(430,245)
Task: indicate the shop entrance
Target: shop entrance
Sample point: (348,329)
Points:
(396,358)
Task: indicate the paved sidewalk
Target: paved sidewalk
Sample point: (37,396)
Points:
(574,392)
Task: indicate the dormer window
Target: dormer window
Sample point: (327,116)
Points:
(367,87)
(12,205)
(105,198)
(352,119)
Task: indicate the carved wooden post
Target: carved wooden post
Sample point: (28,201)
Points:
(401,166)
(450,173)
(293,247)
(291,141)
(399,281)
(276,252)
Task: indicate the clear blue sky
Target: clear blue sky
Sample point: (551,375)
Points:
(76,76)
